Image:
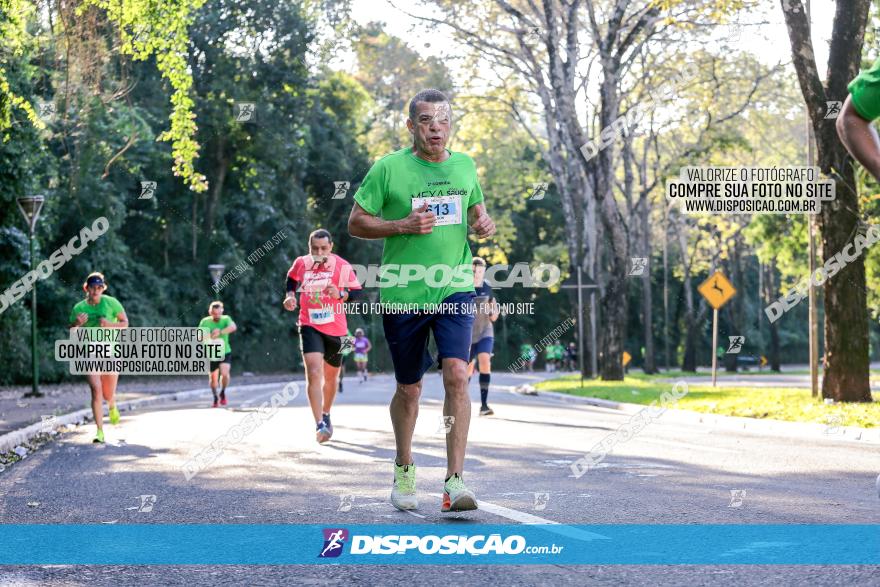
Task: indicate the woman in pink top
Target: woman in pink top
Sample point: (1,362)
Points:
(322,281)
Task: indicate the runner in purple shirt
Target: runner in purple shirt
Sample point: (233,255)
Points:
(362,346)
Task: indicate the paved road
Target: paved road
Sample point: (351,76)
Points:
(669,473)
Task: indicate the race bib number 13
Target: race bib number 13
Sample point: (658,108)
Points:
(446,208)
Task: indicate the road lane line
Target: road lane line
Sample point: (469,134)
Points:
(531,519)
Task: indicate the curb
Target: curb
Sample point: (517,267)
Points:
(17,437)
(765,426)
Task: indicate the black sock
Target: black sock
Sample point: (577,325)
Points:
(214,392)
(484,386)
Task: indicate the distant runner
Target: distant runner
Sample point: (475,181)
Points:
(421,200)
(854,122)
(323,281)
(218,326)
(483,335)
(550,358)
(99,311)
(362,347)
(528,354)
(571,357)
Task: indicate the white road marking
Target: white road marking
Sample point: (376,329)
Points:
(525,518)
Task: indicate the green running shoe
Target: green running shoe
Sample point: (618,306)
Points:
(457,497)
(114,415)
(403,494)
(99,437)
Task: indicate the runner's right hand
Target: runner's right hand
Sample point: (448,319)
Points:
(419,221)
(290,303)
(82,319)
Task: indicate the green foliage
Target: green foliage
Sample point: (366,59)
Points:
(149,29)
(14,17)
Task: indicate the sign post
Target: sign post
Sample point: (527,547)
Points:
(583,282)
(717,290)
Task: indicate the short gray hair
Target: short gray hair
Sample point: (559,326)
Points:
(430,95)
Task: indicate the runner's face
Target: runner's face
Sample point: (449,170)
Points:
(320,247)
(479,272)
(94,292)
(216,312)
(431,127)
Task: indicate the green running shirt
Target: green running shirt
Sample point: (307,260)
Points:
(450,188)
(865,92)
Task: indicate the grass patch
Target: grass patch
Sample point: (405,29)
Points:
(778,403)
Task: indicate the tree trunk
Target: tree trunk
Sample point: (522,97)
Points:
(614,310)
(666,338)
(846,314)
(689,360)
(650,365)
(221,165)
(770,291)
(194,226)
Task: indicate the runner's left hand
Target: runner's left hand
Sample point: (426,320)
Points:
(483,226)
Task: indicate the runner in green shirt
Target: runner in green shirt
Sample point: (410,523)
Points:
(421,201)
(218,326)
(99,311)
(854,121)
(528,354)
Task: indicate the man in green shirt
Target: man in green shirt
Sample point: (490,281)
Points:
(854,122)
(218,326)
(421,200)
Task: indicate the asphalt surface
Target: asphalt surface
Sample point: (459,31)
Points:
(669,473)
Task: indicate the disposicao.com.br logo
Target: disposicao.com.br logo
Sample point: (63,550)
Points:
(477,545)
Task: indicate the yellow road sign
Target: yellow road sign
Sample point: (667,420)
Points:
(626,358)
(763,360)
(717,290)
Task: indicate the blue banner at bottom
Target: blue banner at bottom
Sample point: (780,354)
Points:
(257,544)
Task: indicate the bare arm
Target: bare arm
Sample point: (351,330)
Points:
(493,316)
(362,224)
(121,321)
(860,138)
(480,222)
